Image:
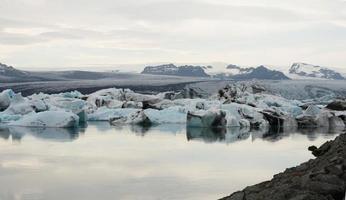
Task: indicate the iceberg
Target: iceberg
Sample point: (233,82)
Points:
(105,114)
(171,115)
(5,99)
(53,119)
(209,118)
(136,118)
(19,106)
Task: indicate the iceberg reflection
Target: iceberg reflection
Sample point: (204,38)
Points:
(235,134)
(52,134)
(208,135)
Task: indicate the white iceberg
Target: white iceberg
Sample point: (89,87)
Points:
(19,106)
(57,119)
(209,118)
(105,114)
(136,118)
(5,98)
(171,115)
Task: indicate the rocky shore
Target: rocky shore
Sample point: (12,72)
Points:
(322,178)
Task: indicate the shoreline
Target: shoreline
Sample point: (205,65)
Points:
(321,178)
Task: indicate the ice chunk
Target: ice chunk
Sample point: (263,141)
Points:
(171,115)
(72,94)
(244,114)
(5,98)
(48,119)
(136,118)
(4,118)
(210,118)
(132,104)
(312,110)
(105,114)
(115,104)
(38,105)
(19,106)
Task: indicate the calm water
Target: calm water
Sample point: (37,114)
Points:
(164,162)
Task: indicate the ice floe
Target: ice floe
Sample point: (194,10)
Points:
(236,105)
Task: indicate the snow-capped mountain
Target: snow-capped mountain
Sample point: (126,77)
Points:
(6,70)
(308,71)
(260,72)
(171,69)
(236,70)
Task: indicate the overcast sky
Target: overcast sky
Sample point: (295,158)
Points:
(84,33)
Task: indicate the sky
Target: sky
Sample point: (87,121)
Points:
(89,34)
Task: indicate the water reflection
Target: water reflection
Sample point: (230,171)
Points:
(207,135)
(235,134)
(158,162)
(52,134)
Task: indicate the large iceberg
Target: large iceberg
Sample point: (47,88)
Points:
(59,119)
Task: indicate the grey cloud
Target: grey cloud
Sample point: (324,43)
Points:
(183,10)
(19,39)
(154,30)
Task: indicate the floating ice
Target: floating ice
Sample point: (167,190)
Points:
(59,119)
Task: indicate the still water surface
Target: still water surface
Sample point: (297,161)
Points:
(164,162)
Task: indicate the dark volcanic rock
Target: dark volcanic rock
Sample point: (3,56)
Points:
(261,73)
(321,178)
(337,105)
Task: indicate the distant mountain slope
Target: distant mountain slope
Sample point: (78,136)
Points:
(171,69)
(6,70)
(261,73)
(304,70)
(9,74)
(236,70)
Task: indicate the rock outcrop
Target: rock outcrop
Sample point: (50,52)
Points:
(323,178)
(337,105)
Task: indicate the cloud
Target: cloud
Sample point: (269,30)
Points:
(79,32)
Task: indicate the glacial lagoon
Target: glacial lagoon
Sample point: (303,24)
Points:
(100,161)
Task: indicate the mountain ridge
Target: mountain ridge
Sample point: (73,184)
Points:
(314,71)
